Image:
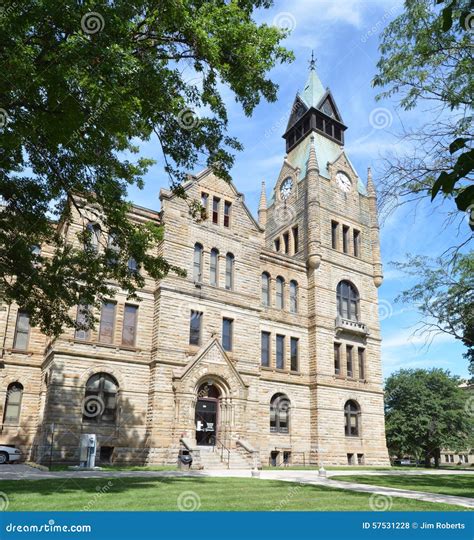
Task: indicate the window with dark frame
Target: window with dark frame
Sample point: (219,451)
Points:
(334,234)
(197,263)
(351,417)
(293,296)
(107,322)
(286,243)
(361,355)
(266,289)
(277,244)
(22,331)
(345,239)
(279,414)
(356,237)
(337,358)
(82,334)
(195,324)
(215,210)
(294,353)
(279,292)
(205,201)
(295,240)
(227,207)
(129,329)
(227,333)
(12,409)
(100,402)
(347,301)
(229,271)
(265,349)
(349,361)
(214,268)
(280,351)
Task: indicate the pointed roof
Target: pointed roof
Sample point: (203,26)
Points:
(313,89)
(262,205)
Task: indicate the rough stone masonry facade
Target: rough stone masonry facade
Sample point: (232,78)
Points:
(297,379)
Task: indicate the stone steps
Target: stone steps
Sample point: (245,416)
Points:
(211,459)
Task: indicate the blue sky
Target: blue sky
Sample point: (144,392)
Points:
(345,36)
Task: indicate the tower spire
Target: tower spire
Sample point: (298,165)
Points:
(262,207)
(370,183)
(312,62)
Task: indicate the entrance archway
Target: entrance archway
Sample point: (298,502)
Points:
(207,414)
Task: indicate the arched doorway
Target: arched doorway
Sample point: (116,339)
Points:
(207,414)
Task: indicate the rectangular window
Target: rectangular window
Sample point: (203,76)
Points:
(349,363)
(129,329)
(295,240)
(195,324)
(337,358)
(277,244)
(350,459)
(205,200)
(286,242)
(345,239)
(22,331)
(227,331)
(356,243)
(334,233)
(82,334)
(107,321)
(360,459)
(215,210)
(294,353)
(280,352)
(361,354)
(213,278)
(227,206)
(265,349)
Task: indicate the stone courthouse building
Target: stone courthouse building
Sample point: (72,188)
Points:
(267,352)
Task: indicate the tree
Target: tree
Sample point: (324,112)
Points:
(444,295)
(83,82)
(425,411)
(426,57)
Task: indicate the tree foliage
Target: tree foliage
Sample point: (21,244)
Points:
(82,83)
(426,411)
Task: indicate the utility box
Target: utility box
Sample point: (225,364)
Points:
(88,450)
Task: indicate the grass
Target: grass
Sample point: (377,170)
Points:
(365,468)
(459,485)
(58,468)
(211,494)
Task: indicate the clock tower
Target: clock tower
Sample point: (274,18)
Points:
(321,227)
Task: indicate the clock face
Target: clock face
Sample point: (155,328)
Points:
(343,181)
(285,188)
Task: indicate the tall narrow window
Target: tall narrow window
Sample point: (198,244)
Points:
(337,358)
(227,207)
(195,325)
(229,271)
(205,201)
(197,263)
(293,296)
(345,238)
(334,234)
(227,333)
(277,244)
(361,355)
(294,354)
(100,401)
(215,210)
(129,329)
(22,331)
(286,243)
(83,332)
(12,409)
(280,351)
(266,289)
(132,266)
(93,240)
(356,243)
(347,301)
(214,267)
(295,240)
(349,361)
(113,250)
(279,413)
(265,349)
(351,415)
(280,288)
(107,322)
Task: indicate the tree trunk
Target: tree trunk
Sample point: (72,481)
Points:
(437,454)
(427,459)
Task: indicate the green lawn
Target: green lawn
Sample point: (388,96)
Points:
(460,485)
(207,493)
(57,468)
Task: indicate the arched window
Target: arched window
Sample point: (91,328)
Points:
(229,271)
(94,236)
(197,265)
(100,401)
(265,289)
(280,288)
(351,416)
(279,414)
(12,409)
(293,296)
(347,301)
(214,267)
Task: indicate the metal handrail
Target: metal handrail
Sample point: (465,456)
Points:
(222,448)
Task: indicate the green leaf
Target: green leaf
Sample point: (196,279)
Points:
(457,145)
